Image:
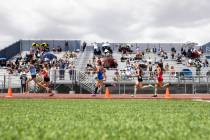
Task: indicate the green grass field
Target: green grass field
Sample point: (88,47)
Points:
(104,119)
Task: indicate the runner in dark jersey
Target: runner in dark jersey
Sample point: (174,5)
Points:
(139,82)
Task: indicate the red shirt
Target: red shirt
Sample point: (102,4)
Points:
(160,76)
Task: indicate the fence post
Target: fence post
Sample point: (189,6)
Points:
(124,88)
(119,83)
(55,75)
(80,88)
(9,81)
(193,85)
(185,88)
(4,81)
(207,81)
(2,90)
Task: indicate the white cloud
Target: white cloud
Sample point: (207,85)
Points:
(103,20)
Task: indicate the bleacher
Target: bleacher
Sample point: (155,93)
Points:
(82,59)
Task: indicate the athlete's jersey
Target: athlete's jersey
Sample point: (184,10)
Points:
(32,70)
(139,76)
(160,76)
(100,75)
(45,73)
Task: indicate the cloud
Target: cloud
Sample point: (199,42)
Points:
(184,14)
(116,20)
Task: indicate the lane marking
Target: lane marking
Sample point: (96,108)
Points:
(200,100)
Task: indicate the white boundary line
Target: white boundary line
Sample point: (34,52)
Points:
(200,100)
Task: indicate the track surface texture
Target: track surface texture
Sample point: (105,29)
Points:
(102,96)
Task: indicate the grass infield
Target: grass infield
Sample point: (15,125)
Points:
(104,119)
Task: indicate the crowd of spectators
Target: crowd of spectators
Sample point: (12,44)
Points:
(56,66)
(102,55)
(191,58)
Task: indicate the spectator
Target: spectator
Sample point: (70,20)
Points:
(154,49)
(72,73)
(161,63)
(190,62)
(116,75)
(23,79)
(128,72)
(89,65)
(179,58)
(182,50)
(84,45)
(54,50)
(184,53)
(53,73)
(149,60)
(172,55)
(61,70)
(97,51)
(150,69)
(167,67)
(172,72)
(206,63)
(165,56)
(106,52)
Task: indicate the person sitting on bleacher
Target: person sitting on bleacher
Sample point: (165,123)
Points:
(172,72)
(190,62)
(206,63)
(167,67)
(128,72)
(97,51)
(106,52)
(107,49)
(179,58)
(116,75)
(165,56)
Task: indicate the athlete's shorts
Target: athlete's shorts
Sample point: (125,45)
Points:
(159,83)
(140,79)
(46,79)
(33,76)
(100,82)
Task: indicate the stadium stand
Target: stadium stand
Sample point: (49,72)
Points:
(74,63)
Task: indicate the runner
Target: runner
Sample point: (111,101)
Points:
(42,79)
(45,83)
(139,84)
(33,73)
(159,79)
(101,77)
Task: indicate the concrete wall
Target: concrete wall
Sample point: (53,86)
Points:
(72,44)
(10,51)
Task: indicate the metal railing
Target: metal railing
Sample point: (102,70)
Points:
(181,82)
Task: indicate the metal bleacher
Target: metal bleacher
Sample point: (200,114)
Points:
(87,81)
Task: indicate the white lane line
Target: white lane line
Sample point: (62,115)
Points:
(200,100)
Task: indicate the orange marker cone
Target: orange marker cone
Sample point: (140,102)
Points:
(107,93)
(167,94)
(9,93)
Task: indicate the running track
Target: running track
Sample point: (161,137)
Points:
(114,96)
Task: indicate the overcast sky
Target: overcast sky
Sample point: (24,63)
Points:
(106,20)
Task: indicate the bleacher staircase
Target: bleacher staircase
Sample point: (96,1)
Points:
(86,81)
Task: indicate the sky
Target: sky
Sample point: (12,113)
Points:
(148,21)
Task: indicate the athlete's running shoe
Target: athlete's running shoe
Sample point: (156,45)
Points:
(93,94)
(154,96)
(52,94)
